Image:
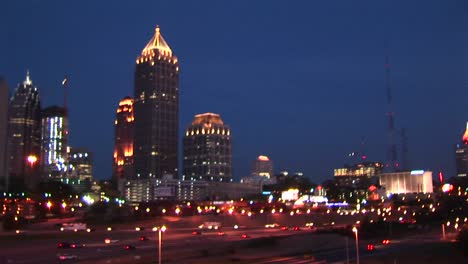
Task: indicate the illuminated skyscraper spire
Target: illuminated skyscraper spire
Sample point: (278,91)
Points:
(157,42)
(465,136)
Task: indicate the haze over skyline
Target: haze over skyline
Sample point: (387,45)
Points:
(302,84)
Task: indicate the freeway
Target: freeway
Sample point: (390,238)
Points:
(39,245)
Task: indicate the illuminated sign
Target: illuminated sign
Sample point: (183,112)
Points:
(447,187)
(289,195)
(417,172)
(266,193)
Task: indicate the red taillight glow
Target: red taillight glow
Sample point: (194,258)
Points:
(370,247)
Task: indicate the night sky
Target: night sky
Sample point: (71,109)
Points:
(302,83)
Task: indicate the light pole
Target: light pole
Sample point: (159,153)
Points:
(347,251)
(355,230)
(160,231)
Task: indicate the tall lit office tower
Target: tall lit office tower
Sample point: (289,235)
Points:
(123,146)
(81,164)
(461,154)
(24,135)
(156,106)
(262,166)
(3,133)
(54,142)
(207,149)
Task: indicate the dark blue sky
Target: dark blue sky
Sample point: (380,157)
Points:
(301,83)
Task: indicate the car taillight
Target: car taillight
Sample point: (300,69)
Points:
(59,245)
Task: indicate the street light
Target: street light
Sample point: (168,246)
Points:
(160,231)
(355,230)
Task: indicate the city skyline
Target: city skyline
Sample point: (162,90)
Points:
(327,119)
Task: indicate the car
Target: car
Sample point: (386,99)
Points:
(63,245)
(143,238)
(196,232)
(284,228)
(109,241)
(139,228)
(236,227)
(245,236)
(65,257)
(386,241)
(221,233)
(76,245)
(274,225)
(129,247)
(110,228)
(89,230)
(370,247)
(296,228)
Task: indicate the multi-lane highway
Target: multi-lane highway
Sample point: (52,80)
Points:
(181,246)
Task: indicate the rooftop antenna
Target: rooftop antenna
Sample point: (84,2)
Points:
(404,150)
(392,163)
(363,149)
(64,85)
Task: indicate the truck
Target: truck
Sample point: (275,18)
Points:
(73,227)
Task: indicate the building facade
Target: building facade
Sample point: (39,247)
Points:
(461,155)
(3,134)
(156,107)
(137,191)
(81,164)
(357,174)
(207,149)
(123,145)
(262,166)
(24,135)
(406,182)
(54,142)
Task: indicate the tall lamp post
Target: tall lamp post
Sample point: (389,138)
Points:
(160,231)
(355,230)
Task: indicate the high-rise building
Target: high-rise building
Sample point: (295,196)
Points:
(24,135)
(3,133)
(123,146)
(54,142)
(207,149)
(262,166)
(156,107)
(81,164)
(461,154)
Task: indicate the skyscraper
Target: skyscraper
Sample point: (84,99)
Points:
(24,135)
(3,133)
(54,142)
(81,163)
(156,106)
(461,155)
(207,149)
(262,166)
(123,146)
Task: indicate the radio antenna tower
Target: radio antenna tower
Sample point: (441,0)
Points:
(392,163)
